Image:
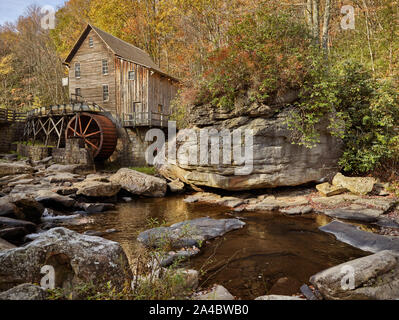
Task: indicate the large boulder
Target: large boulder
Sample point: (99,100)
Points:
(358,238)
(276,160)
(54,200)
(24,292)
(76,259)
(356,185)
(189,233)
(97,189)
(374,277)
(14,168)
(139,183)
(216,293)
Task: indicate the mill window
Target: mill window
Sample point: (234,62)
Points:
(105,92)
(77,70)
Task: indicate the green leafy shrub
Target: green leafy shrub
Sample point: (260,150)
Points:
(361,110)
(264,56)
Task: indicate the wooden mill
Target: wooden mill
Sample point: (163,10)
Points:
(117,92)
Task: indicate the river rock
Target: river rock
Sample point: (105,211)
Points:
(139,183)
(97,189)
(277,161)
(278,298)
(28,209)
(217,293)
(20,182)
(297,210)
(14,234)
(9,222)
(51,199)
(13,168)
(25,292)
(5,245)
(70,168)
(385,204)
(363,240)
(271,203)
(77,259)
(354,212)
(356,185)
(62,177)
(189,233)
(7,208)
(375,277)
(97,207)
(176,186)
(328,190)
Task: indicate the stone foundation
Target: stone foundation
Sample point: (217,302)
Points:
(131,148)
(34,153)
(10,133)
(73,153)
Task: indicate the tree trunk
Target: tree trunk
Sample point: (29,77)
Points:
(316,21)
(326,24)
(309,12)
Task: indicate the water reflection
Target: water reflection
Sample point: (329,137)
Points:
(272,249)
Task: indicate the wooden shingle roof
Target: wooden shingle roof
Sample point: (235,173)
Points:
(120,48)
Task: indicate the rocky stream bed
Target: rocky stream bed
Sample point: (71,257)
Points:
(286,243)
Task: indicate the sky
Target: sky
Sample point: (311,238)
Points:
(10,10)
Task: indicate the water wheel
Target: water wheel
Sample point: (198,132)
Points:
(97,131)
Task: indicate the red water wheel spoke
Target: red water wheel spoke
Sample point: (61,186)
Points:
(92,134)
(97,131)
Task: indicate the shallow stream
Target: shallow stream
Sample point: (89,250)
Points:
(272,254)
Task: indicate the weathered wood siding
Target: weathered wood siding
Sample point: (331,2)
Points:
(128,92)
(92,79)
(161,92)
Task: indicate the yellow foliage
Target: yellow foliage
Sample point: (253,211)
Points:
(5,65)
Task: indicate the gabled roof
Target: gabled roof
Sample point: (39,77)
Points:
(120,48)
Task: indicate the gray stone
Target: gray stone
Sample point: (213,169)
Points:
(97,189)
(382,204)
(278,298)
(70,168)
(20,182)
(354,212)
(139,183)
(9,222)
(62,177)
(189,233)
(176,186)
(52,199)
(14,234)
(7,208)
(363,240)
(328,190)
(14,168)
(375,277)
(76,259)
(97,207)
(276,160)
(356,185)
(25,292)
(298,210)
(216,293)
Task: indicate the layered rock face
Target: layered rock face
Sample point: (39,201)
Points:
(276,160)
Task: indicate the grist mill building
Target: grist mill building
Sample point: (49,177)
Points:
(132,91)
